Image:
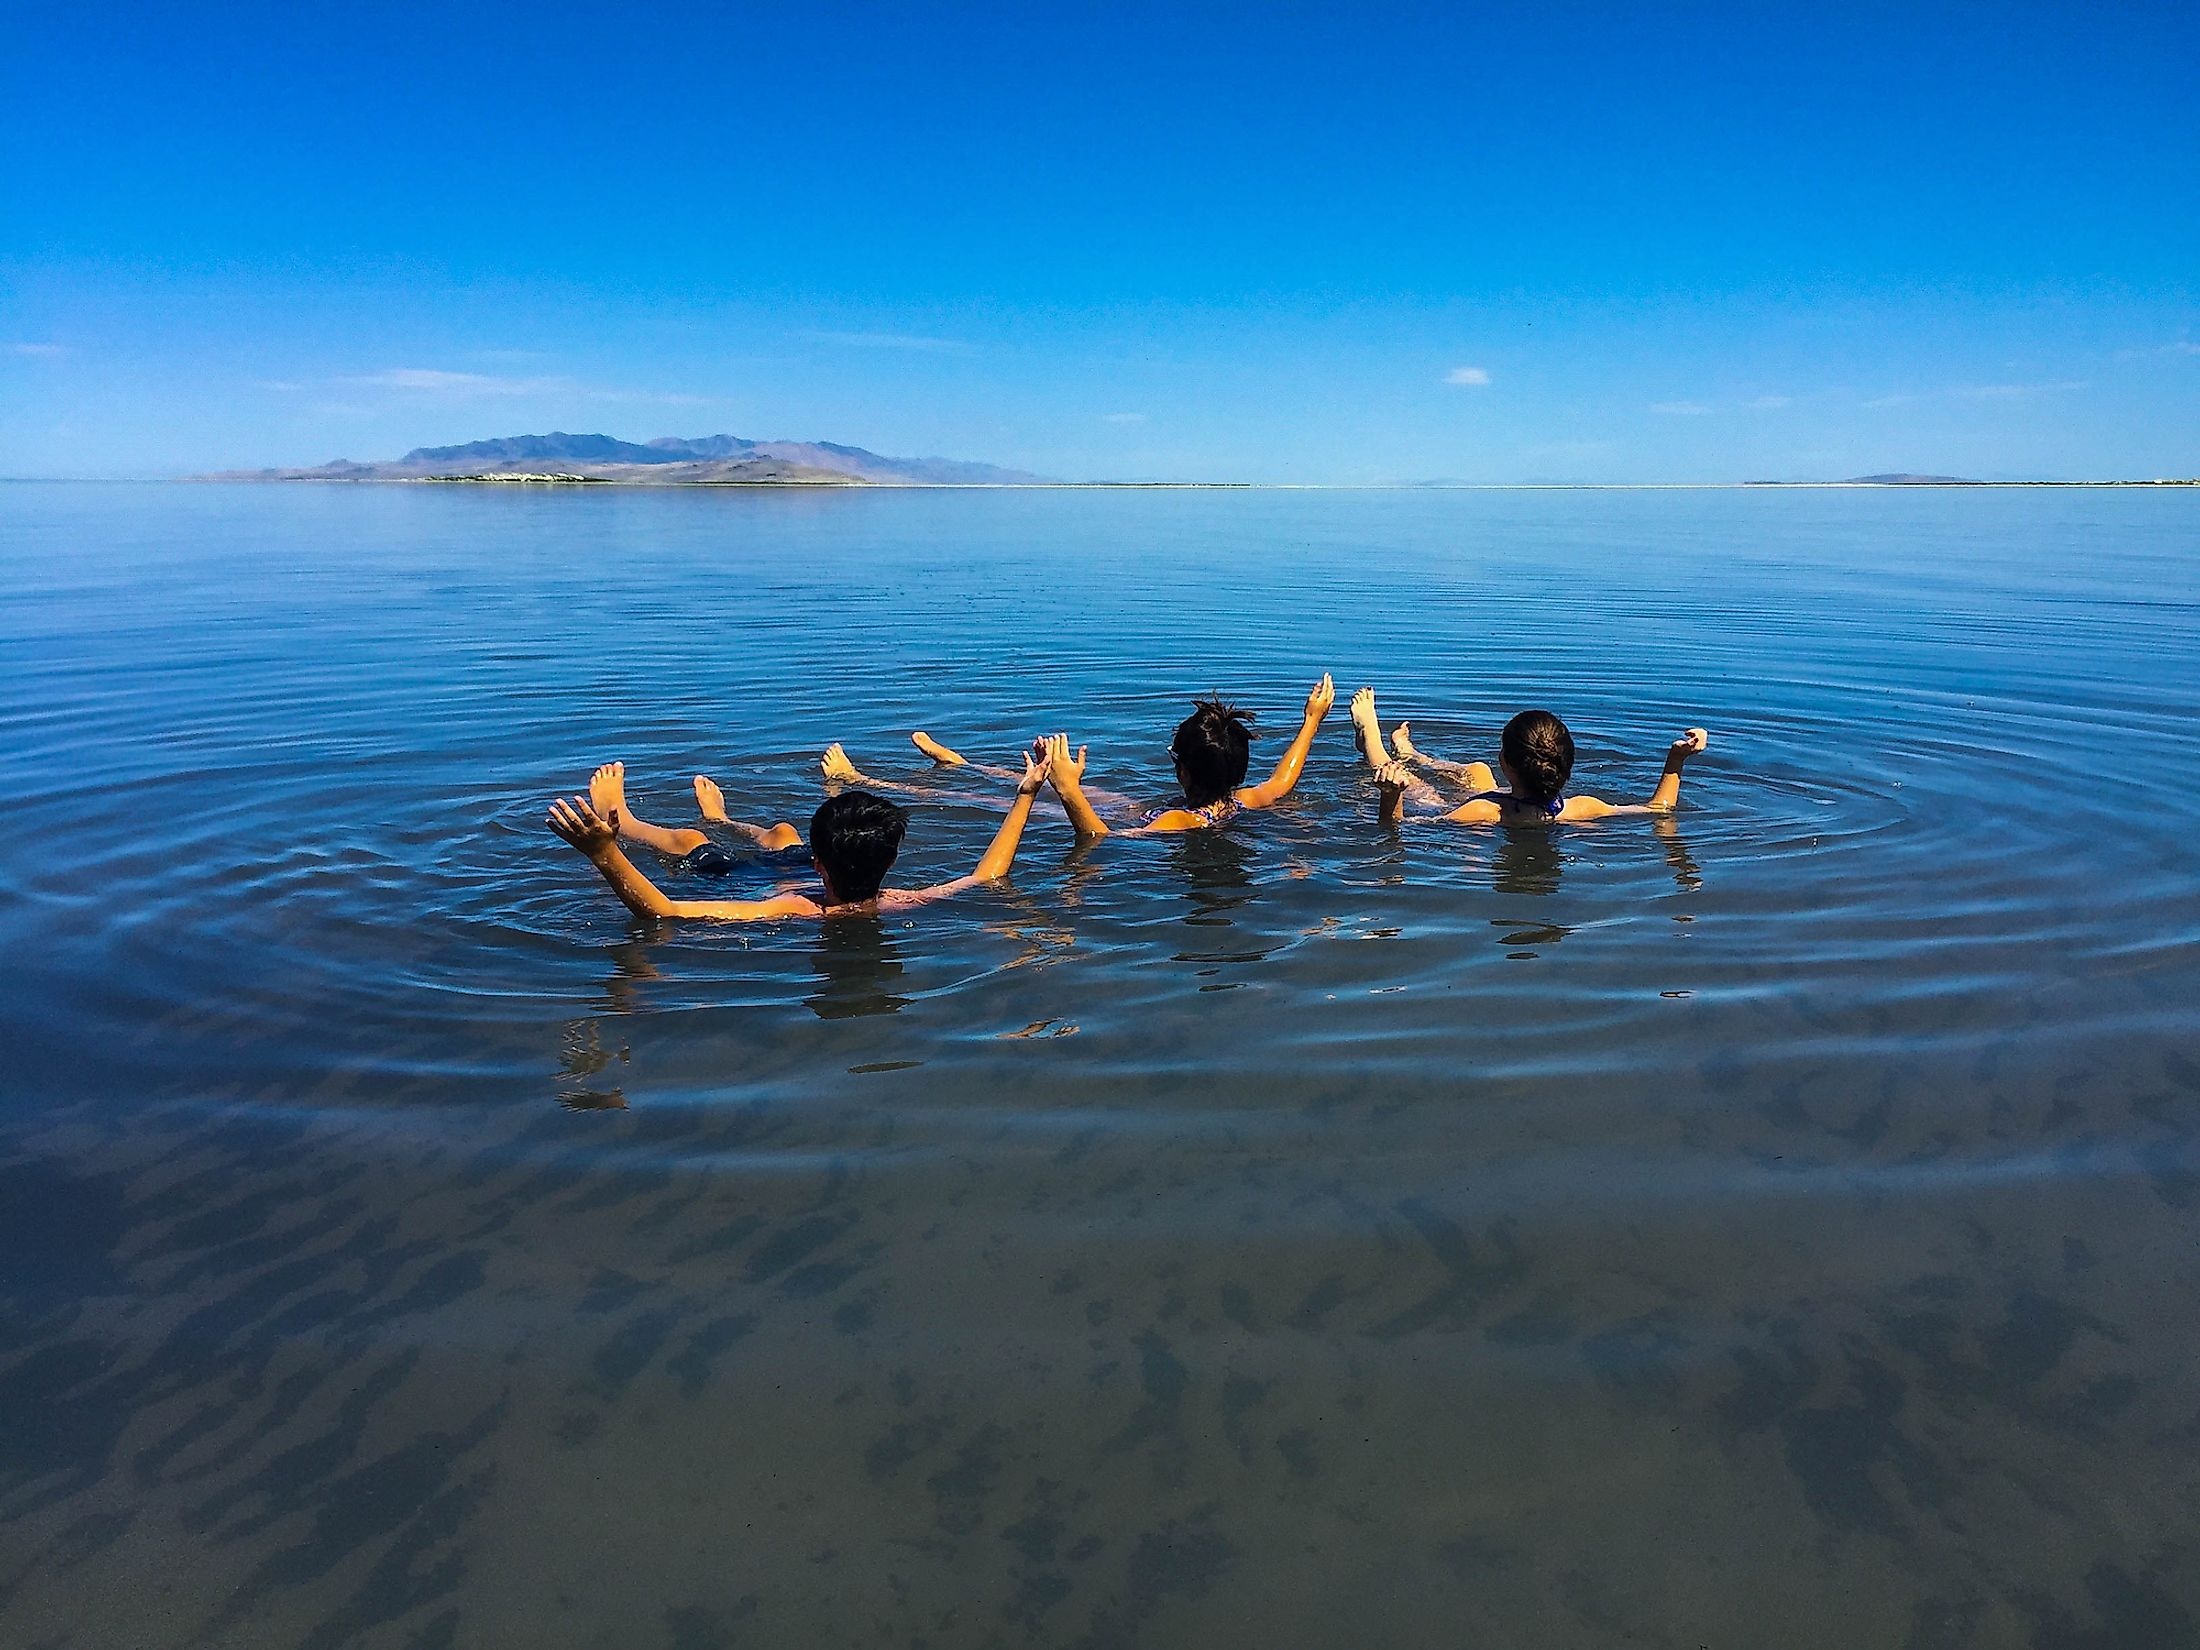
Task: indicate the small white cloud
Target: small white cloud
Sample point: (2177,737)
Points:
(2015,392)
(1679,409)
(1768,403)
(467,385)
(1477,376)
(432,381)
(2178,346)
(285,386)
(39,352)
(886,340)
(1122,418)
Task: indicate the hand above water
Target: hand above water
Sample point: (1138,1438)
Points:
(1066,771)
(1323,696)
(578,823)
(1689,744)
(1035,773)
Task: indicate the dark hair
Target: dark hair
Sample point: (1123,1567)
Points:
(1212,747)
(1540,753)
(854,837)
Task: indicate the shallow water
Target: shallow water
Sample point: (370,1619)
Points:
(1773,1226)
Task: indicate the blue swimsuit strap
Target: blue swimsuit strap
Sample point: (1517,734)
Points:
(1506,799)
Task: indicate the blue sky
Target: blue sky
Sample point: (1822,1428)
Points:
(1280,243)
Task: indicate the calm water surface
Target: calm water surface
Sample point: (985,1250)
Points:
(1775,1226)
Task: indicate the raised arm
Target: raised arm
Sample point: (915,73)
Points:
(1667,796)
(1067,774)
(1663,800)
(597,840)
(1002,854)
(1279,784)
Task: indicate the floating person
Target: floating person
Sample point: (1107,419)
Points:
(1211,748)
(854,838)
(1537,754)
(695,849)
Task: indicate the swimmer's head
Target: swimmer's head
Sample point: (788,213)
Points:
(1211,748)
(853,840)
(1538,754)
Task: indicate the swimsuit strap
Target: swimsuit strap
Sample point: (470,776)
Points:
(1214,813)
(1505,799)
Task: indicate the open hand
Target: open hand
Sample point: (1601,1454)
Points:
(1689,743)
(1065,770)
(1035,773)
(578,822)
(1321,699)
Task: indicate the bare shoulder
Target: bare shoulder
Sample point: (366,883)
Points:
(1579,808)
(1176,819)
(1480,811)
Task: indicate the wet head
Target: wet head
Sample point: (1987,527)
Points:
(1538,756)
(1212,748)
(854,838)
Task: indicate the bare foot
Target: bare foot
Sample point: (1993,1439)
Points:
(1366,727)
(1401,741)
(710,801)
(937,751)
(607,789)
(836,764)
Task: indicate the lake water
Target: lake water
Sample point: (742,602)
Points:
(1775,1226)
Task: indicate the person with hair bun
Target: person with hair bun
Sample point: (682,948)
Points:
(1536,753)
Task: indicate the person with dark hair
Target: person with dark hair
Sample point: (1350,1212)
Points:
(1211,748)
(1536,753)
(854,838)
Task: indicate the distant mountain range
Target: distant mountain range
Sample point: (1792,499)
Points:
(668,459)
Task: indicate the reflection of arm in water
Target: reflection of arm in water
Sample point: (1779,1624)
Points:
(597,839)
(607,796)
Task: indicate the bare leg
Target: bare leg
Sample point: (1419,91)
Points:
(1367,731)
(607,795)
(946,758)
(838,769)
(711,802)
(1476,776)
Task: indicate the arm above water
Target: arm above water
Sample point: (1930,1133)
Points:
(1663,800)
(597,840)
(1279,784)
(1067,774)
(997,858)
